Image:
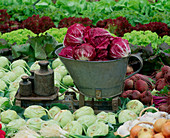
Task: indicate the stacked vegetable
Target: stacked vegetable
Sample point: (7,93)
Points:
(93,44)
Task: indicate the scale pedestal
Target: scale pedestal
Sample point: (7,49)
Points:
(70,100)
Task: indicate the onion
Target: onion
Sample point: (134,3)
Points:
(158,124)
(145,133)
(134,131)
(158,135)
(166,129)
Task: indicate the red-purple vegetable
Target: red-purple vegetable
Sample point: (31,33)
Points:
(84,52)
(97,37)
(119,48)
(66,52)
(146,97)
(74,36)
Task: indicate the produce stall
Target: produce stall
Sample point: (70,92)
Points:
(84,68)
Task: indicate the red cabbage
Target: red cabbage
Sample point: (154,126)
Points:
(66,52)
(84,52)
(97,37)
(74,35)
(119,48)
(102,55)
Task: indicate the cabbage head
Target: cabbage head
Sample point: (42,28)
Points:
(15,125)
(54,110)
(63,117)
(67,80)
(74,128)
(50,123)
(34,123)
(48,131)
(106,117)
(135,105)
(57,62)
(8,115)
(85,110)
(98,129)
(34,111)
(87,120)
(62,70)
(126,115)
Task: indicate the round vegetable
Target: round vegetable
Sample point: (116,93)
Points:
(34,123)
(74,128)
(135,105)
(34,111)
(126,115)
(67,80)
(18,71)
(87,120)
(57,62)
(19,62)
(63,117)
(98,129)
(85,110)
(4,62)
(166,129)
(158,124)
(54,110)
(8,115)
(15,125)
(62,70)
(2,100)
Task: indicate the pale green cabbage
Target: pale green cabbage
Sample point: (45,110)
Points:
(67,80)
(54,110)
(135,105)
(85,110)
(87,120)
(8,115)
(106,117)
(126,115)
(34,111)
(63,117)
(57,62)
(34,123)
(98,129)
(15,125)
(74,127)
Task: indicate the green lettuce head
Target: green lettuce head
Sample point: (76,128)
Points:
(135,105)
(74,128)
(8,115)
(34,111)
(87,120)
(85,110)
(34,123)
(54,110)
(63,117)
(126,115)
(98,129)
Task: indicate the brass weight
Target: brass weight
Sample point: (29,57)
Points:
(44,80)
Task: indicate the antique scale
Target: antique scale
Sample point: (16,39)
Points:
(95,79)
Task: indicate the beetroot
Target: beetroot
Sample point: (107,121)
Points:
(141,85)
(128,84)
(134,95)
(146,97)
(165,69)
(125,94)
(167,77)
(160,84)
(159,75)
(164,107)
